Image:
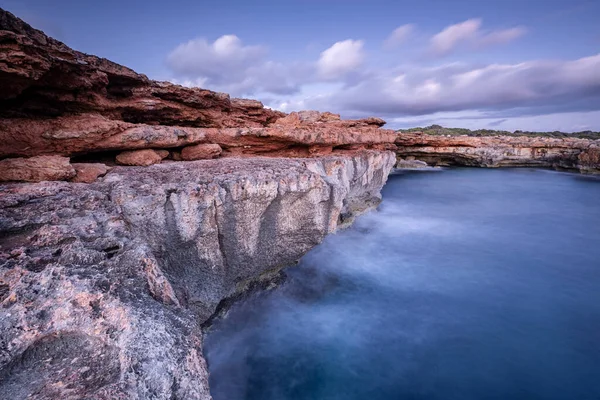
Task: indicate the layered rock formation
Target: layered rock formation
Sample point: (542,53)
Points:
(501,151)
(41,78)
(108,272)
(58,101)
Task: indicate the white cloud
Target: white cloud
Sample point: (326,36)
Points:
(340,81)
(470,34)
(535,87)
(447,40)
(341,58)
(501,36)
(399,36)
(230,66)
(199,58)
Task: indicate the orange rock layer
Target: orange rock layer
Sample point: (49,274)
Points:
(61,102)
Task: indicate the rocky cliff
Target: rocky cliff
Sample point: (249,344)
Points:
(145,206)
(131,209)
(104,286)
(55,101)
(501,151)
(41,78)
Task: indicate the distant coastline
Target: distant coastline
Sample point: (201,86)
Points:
(439,130)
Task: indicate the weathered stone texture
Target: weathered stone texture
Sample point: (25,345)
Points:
(103,286)
(500,151)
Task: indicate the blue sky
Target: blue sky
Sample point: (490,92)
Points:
(502,64)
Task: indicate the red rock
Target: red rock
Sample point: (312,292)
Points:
(292,137)
(63,102)
(70,135)
(372,121)
(316,116)
(201,152)
(176,156)
(45,77)
(88,172)
(589,160)
(320,150)
(163,153)
(139,157)
(36,169)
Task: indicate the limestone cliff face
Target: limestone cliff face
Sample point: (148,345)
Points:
(501,151)
(103,286)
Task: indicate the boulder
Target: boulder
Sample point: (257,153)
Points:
(141,158)
(163,153)
(317,116)
(411,164)
(36,169)
(201,152)
(88,172)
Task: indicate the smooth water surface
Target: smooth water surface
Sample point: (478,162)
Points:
(465,284)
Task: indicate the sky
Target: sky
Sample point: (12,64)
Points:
(493,64)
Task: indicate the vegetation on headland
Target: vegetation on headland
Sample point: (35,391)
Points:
(441,131)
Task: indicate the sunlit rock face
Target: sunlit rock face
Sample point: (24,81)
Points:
(501,151)
(41,77)
(57,101)
(104,286)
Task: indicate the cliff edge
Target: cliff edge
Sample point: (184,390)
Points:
(131,209)
(501,151)
(104,286)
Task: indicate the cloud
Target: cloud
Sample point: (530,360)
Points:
(341,81)
(536,86)
(563,121)
(501,37)
(341,58)
(199,58)
(230,66)
(447,40)
(399,36)
(469,34)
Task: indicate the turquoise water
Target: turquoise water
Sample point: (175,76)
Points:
(465,284)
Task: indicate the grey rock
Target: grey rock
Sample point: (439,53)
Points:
(411,164)
(104,286)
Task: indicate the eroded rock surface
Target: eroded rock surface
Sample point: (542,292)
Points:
(36,169)
(58,101)
(501,151)
(201,152)
(141,157)
(104,286)
(41,77)
(88,172)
